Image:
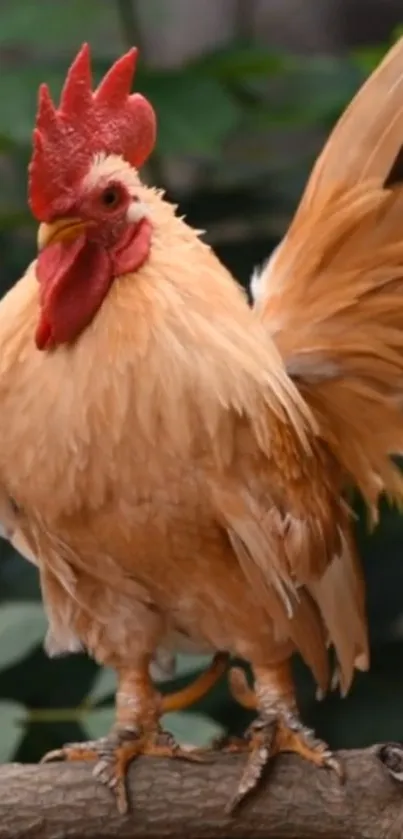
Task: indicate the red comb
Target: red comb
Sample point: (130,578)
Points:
(110,120)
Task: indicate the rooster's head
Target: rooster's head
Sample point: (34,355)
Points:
(84,191)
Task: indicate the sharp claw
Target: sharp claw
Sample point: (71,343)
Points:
(56,754)
(73,752)
(99,768)
(251,776)
(114,754)
(337,767)
(101,771)
(121,801)
(267,738)
(261,746)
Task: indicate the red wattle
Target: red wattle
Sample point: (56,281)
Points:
(43,334)
(133,248)
(75,276)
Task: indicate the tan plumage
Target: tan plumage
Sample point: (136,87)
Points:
(331,300)
(152,383)
(333,305)
(178,470)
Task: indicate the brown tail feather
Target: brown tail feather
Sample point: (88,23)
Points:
(368,137)
(332,299)
(342,585)
(334,303)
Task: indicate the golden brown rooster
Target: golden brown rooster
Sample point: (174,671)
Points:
(179,483)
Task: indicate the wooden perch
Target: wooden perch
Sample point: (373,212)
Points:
(176,799)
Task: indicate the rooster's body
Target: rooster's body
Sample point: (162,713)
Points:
(176,477)
(102,531)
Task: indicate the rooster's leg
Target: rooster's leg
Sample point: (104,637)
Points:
(278,727)
(137,730)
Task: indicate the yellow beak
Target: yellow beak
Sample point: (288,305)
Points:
(60,230)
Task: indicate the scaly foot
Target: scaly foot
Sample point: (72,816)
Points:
(278,730)
(115,752)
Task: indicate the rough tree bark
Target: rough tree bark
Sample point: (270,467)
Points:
(171,800)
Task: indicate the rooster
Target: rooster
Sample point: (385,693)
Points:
(175,462)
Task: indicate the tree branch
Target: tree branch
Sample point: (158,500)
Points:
(174,799)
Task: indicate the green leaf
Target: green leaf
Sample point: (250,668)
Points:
(192,729)
(103,686)
(195,113)
(11,732)
(22,627)
(99,722)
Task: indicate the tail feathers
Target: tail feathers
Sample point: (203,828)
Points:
(368,137)
(314,608)
(334,306)
(295,615)
(333,296)
(340,596)
(332,299)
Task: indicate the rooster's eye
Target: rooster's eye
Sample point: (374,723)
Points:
(110,197)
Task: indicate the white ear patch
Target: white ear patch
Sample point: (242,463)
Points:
(137,211)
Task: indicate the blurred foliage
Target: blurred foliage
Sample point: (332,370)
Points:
(249,122)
